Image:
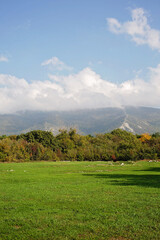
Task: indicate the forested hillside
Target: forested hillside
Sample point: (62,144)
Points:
(118,145)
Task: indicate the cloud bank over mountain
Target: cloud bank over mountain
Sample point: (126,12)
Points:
(86,89)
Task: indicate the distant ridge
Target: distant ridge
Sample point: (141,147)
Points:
(91,121)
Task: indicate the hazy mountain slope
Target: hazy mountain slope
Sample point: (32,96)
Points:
(143,119)
(86,121)
(134,119)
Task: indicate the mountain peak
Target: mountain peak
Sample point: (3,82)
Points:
(91,121)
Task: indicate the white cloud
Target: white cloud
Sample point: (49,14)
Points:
(86,89)
(55,64)
(138,28)
(3,58)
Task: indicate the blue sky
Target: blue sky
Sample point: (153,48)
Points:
(55,40)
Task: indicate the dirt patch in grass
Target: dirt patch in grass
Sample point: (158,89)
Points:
(118,238)
(16,227)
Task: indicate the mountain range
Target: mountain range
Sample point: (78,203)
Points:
(134,119)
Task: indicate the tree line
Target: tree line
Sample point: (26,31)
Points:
(118,145)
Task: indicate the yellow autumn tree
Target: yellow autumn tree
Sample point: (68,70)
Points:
(144,137)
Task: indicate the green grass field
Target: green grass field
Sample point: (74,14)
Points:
(79,200)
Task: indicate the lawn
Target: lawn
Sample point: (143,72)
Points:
(79,200)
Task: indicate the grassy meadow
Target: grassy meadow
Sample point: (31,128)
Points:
(80,200)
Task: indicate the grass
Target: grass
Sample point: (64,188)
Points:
(79,200)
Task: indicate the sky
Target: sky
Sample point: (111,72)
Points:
(70,54)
